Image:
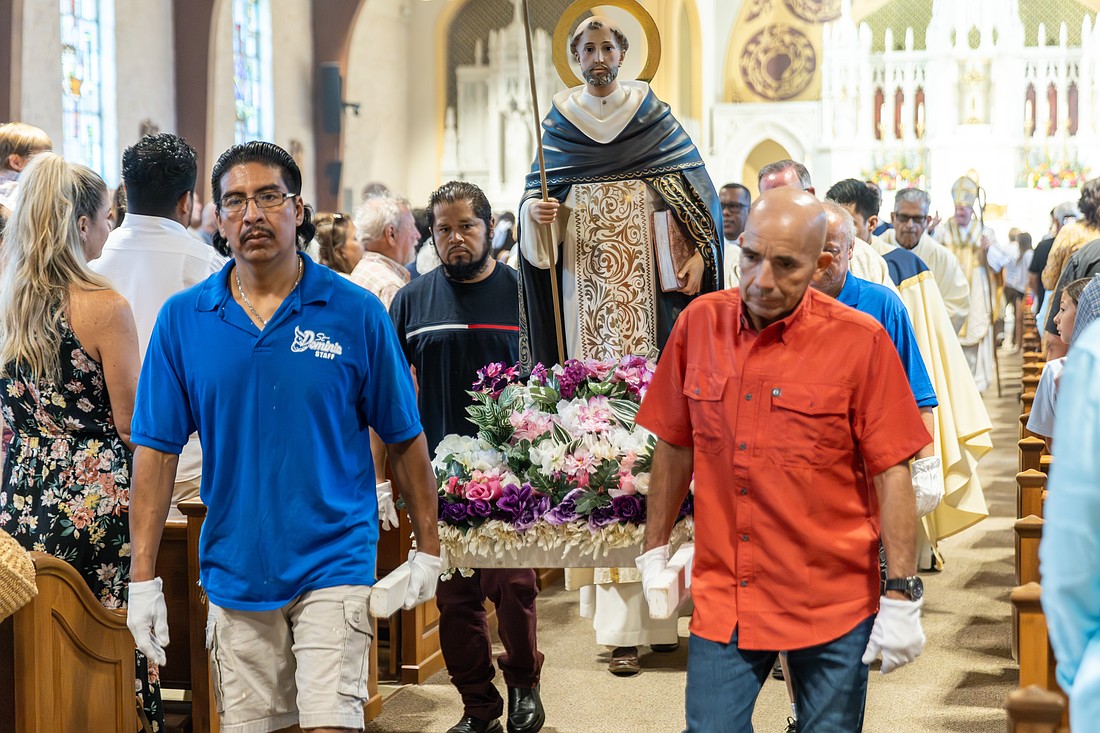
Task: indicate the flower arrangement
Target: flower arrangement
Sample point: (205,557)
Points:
(558,464)
(897,173)
(1043,172)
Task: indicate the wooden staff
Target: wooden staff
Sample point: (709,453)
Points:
(546,230)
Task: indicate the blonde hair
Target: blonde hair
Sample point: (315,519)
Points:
(42,258)
(331,235)
(19,138)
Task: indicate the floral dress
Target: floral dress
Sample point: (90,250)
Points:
(66,489)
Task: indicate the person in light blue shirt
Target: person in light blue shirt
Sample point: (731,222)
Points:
(281,365)
(1069,554)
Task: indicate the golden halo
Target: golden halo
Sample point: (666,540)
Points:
(564,30)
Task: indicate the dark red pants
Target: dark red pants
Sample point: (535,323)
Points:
(464,635)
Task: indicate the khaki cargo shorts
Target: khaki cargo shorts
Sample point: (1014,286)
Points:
(305,663)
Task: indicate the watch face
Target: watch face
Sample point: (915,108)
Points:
(916,588)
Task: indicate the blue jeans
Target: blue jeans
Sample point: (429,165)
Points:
(830,683)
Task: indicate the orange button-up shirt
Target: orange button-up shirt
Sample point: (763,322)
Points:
(787,428)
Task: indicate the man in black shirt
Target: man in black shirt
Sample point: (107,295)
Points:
(451,322)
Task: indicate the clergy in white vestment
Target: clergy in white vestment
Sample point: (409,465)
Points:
(614,156)
(974,246)
(910,219)
(963,430)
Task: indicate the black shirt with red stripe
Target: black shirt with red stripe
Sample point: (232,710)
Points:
(448,330)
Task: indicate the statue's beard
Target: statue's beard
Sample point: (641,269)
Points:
(601,78)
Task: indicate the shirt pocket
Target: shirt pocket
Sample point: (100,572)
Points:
(808,425)
(704,390)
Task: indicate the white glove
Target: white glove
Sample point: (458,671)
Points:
(387,510)
(650,565)
(424,573)
(927,476)
(147,618)
(897,634)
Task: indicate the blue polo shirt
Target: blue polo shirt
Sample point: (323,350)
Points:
(886,308)
(283,414)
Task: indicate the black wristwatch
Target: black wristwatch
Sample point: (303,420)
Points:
(912,587)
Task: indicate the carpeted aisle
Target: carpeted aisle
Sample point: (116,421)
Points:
(958,684)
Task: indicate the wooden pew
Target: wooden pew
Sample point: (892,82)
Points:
(1031,449)
(172,570)
(1027,400)
(1036,656)
(1030,486)
(1029,531)
(204,717)
(66,662)
(1034,710)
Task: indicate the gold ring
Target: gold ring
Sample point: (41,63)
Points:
(564,28)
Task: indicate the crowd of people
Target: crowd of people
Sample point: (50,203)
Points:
(819,379)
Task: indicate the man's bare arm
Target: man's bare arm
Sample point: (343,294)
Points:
(898,518)
(928,417)
(150,499)
(668,485)
(412,472)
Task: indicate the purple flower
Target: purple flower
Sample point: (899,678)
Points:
(566,510)
(536,506)
(493,378)
(540,373)
(628,508)
(480,508)
(572,375)
(513,500)
(454,512)
(601,517)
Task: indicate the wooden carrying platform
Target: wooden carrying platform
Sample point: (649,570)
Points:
(66,662)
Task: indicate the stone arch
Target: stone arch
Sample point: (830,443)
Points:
(759,136)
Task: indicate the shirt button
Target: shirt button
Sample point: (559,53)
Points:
(742,446)
(696,390)
(748,398)
(744,538)
(775,392)
(744,492)
(744,584)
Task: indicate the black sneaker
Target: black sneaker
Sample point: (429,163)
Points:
(792,726)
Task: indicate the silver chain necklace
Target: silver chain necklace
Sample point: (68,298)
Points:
(261,319)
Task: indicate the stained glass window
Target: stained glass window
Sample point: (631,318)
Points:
(82,82)
(252,70)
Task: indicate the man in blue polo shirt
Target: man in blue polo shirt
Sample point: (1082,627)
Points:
(281,366)
(886,308)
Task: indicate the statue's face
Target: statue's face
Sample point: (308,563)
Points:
(599,55)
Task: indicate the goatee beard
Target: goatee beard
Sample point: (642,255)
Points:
(601,78)
(462,272)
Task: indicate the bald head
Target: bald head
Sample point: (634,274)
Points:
(840,242)
(781,250)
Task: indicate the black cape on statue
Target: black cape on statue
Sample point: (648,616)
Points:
(653,147)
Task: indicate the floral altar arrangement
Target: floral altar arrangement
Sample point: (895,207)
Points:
(558,473)
(1042,171)
(894,174)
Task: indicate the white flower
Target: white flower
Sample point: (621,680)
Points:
(548,456)
(641,483)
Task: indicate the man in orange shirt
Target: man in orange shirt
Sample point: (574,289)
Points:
(794,414)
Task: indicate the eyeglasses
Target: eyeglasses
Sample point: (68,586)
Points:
(264,200)
(733,207)
(908,219)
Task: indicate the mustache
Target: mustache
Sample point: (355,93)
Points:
(255,232)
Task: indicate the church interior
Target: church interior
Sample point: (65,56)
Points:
(406,95)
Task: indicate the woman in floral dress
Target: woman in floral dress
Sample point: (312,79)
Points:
(68,347)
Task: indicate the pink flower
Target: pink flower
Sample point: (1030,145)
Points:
(626,482)
(452,486)
(596,416)
(580,462)
(530,424)
(599,369)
